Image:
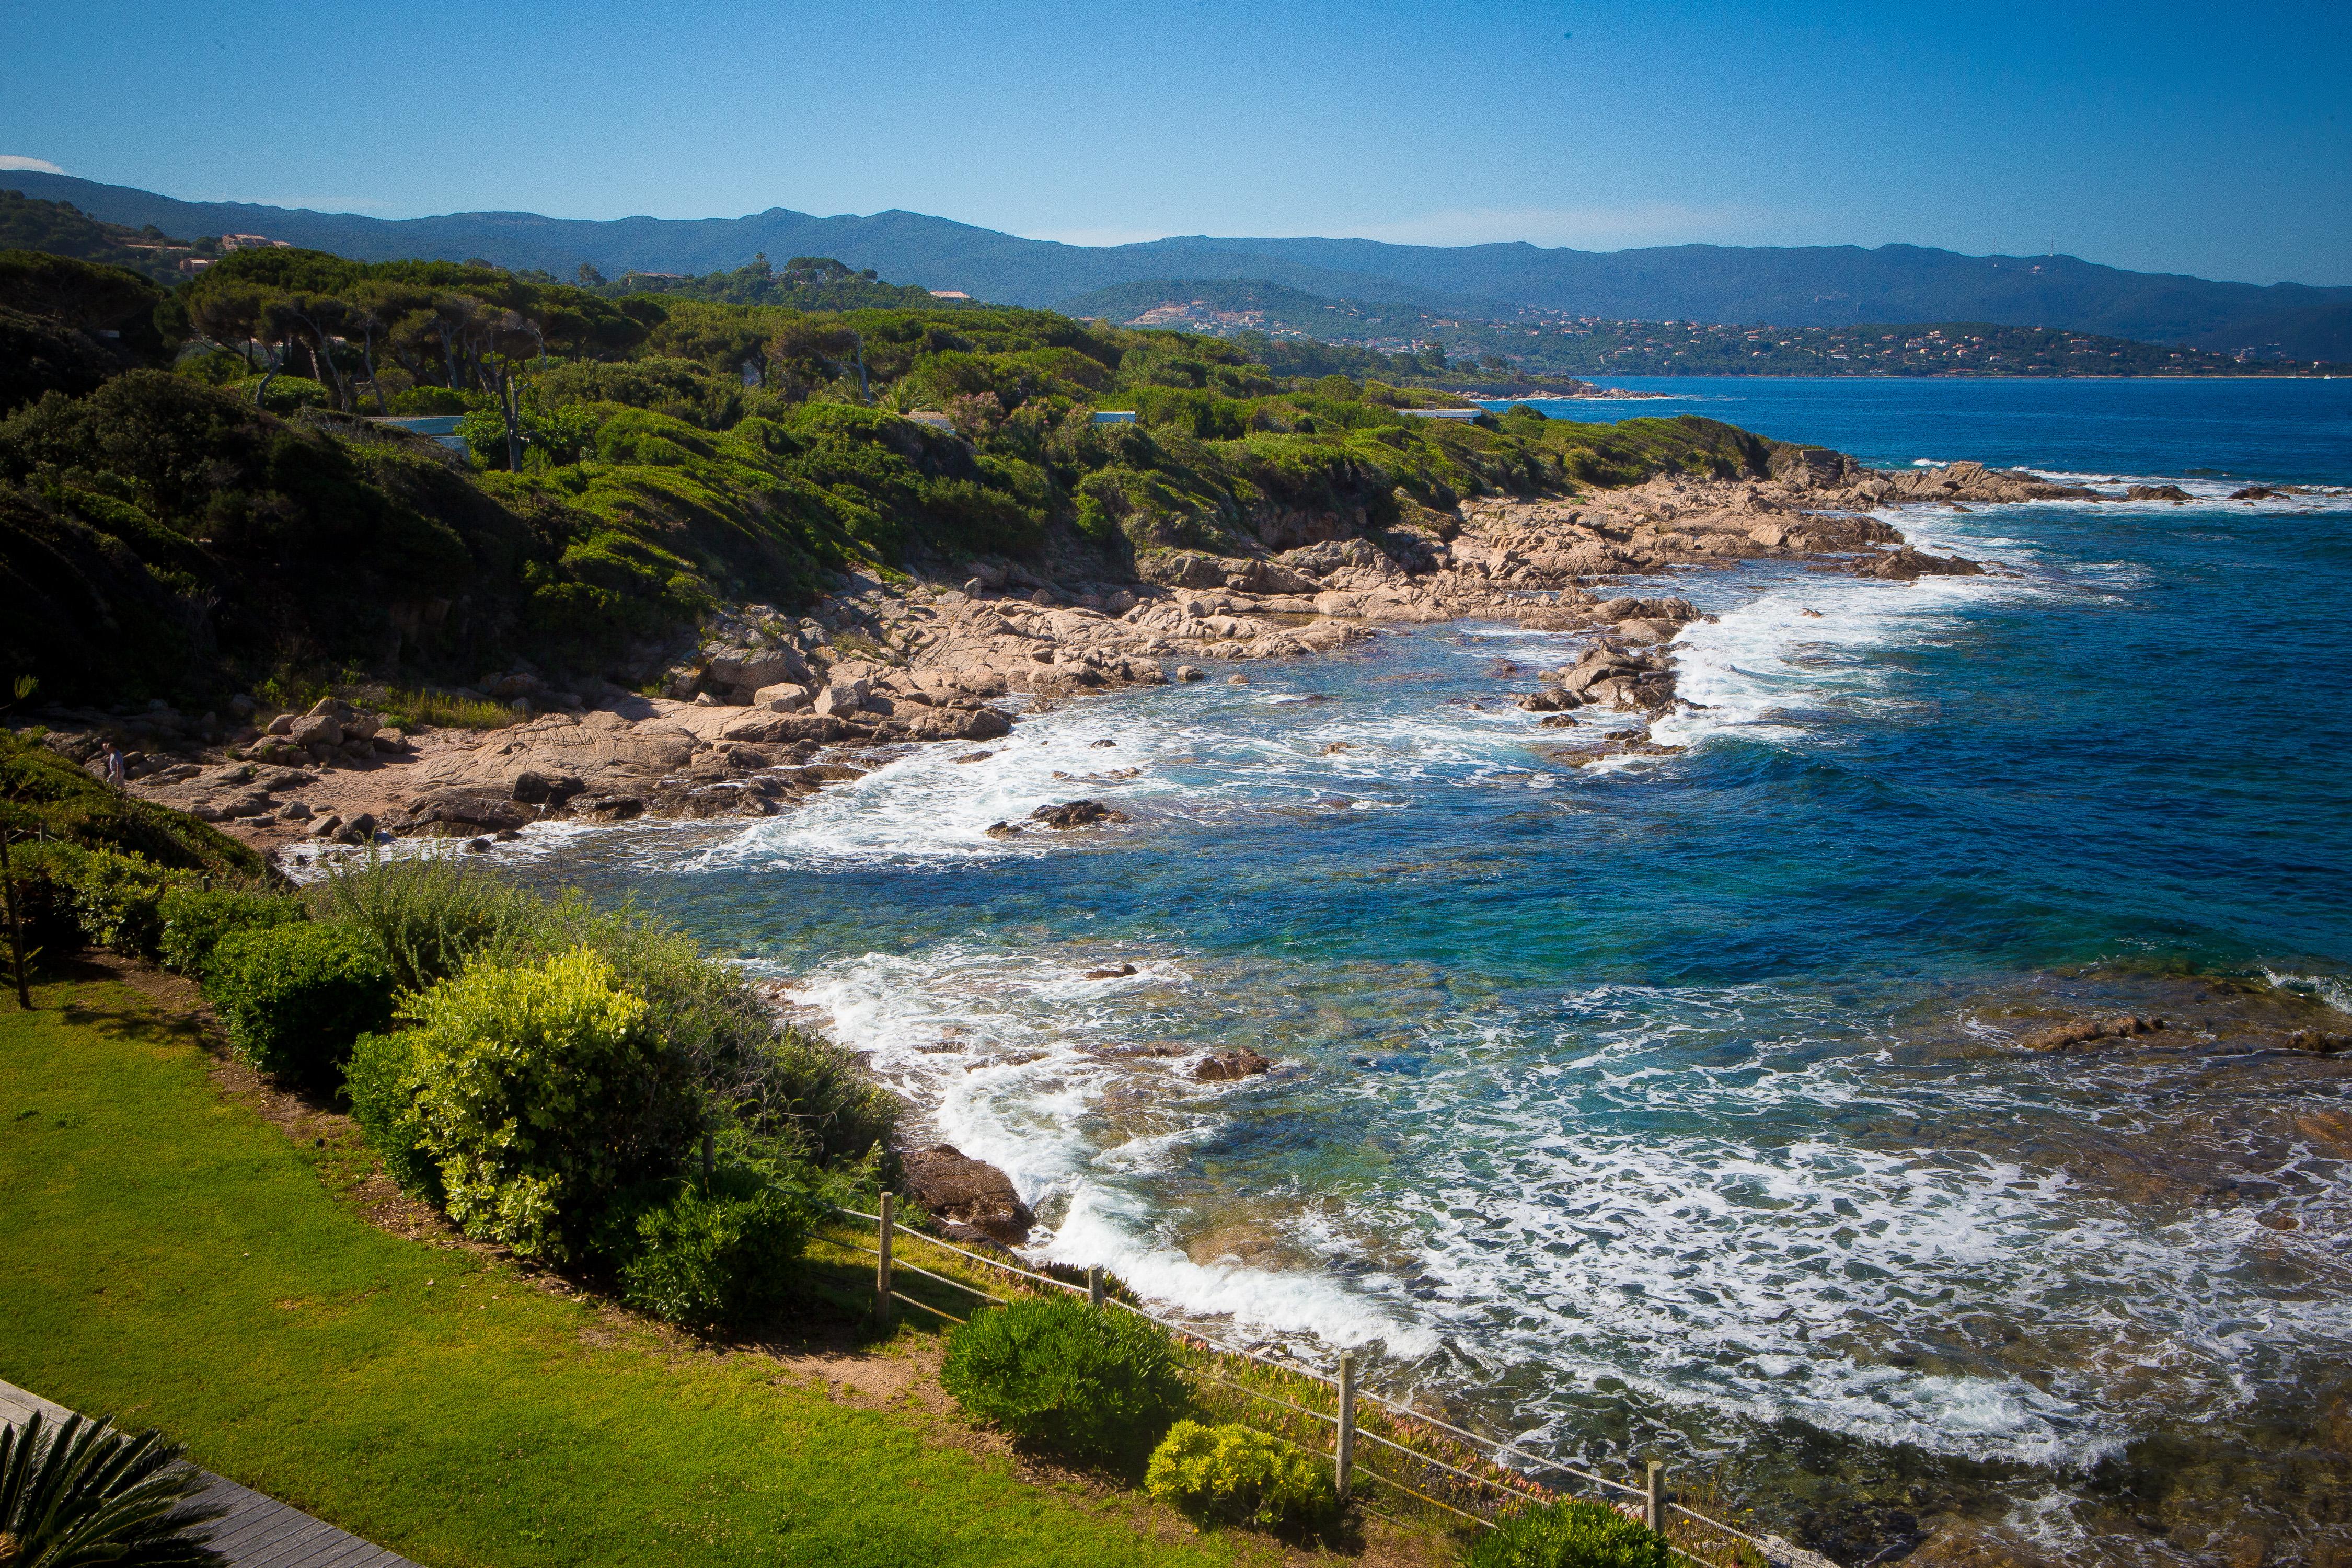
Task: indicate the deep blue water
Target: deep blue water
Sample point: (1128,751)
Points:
(1681,1089)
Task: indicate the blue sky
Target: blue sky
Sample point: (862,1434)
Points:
(2169,137)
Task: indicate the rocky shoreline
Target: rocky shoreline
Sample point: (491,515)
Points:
(769,707)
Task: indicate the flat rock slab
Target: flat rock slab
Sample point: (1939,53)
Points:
(255,1529)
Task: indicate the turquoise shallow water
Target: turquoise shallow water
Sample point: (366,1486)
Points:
(1654,1099)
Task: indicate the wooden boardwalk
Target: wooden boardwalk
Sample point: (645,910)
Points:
(258,1531)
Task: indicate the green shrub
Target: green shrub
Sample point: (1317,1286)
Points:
(1091,1384)
(1570,1535)
(383,1103)
(284,393)
(795,1087)
(716,1254)
(1241,1475)
(194,921)
(44,901)
(428,915)
(428,400)
(295,996)
(116,898)
(540,1093)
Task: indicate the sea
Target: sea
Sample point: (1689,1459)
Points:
(1673,1104)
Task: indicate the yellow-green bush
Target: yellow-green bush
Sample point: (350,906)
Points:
(1241,1475)
(539,1090)
(1570,1535)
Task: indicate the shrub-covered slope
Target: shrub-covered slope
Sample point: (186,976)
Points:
(44,796)
(636,463)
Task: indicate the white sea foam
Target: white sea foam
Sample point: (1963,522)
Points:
(1574,1190)
(1580,1190)
(1687,1235)
(1023,1094)
(2332,989)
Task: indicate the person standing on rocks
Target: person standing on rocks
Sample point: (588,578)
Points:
(112,762)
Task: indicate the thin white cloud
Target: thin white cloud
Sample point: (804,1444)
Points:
(1589,228)
(31,166)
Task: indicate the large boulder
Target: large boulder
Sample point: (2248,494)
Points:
(533,787)
(840,700)
(1907,564)
(316,729)
(741,668)
(2065,1035)
(964,1190)
(467,811)
(783,697)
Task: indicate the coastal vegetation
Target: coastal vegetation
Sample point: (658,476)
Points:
(185,1263)
(173,525)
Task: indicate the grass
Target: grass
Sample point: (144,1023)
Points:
(416,710)
(178,1262)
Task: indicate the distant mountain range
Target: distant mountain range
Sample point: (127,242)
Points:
(1803,285)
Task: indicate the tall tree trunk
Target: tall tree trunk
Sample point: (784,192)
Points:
(367,357)
(277,356)
(511,405)
(16,927)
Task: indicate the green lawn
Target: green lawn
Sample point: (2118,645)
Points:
(175,1260)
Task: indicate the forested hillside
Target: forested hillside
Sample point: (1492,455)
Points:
(204,499)
(61,228)
(1288,325)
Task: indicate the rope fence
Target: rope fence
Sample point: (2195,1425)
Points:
(1476,1495)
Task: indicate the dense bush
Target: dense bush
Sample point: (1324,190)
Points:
(1241,1475)
(1570,1535)
(1095,1385)
(540,1093)
(295,996)
(116,898)
(428,914)
(195,920)
(718,1252)
(383,1103)
(281,393)
(795,1087)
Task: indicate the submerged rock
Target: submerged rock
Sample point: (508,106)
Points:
(1237,1063)
(2059,1038)
(1907,564)
(1074,814)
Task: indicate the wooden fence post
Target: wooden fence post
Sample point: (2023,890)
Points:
(1094,1286)
(1345,1454)
(1655,1498)
(882,1267)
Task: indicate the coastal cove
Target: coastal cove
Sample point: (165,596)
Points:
(1675,1101)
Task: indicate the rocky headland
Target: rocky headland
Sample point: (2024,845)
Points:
(768,706)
